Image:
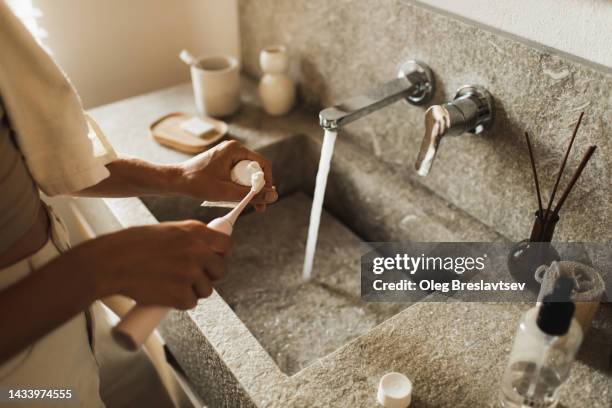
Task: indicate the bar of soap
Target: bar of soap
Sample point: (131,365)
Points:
(197,126)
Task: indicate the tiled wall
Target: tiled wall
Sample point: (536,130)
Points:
(339,47)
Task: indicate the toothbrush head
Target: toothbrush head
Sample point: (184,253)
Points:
(257,183)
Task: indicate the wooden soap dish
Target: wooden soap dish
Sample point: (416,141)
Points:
(167,131)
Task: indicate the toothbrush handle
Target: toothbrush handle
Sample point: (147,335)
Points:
(138,324)
(232,216)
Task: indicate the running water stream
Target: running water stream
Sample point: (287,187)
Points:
(327,151)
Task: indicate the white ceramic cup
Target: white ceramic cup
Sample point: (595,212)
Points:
(216,85)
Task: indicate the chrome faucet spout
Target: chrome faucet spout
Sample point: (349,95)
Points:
(414,83)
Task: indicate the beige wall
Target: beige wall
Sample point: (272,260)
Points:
(113,49)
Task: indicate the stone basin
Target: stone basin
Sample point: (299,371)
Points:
(266,338)
(298,322)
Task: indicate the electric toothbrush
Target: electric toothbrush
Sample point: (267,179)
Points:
(138,324)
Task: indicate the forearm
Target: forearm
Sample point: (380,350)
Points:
(40,303)
(134,177)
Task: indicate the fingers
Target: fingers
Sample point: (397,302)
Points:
(214,240)
(197,276)
(188,300)
(267,195)
(203,286)
(176,295)
(235,192)
(232,191)
(213,265)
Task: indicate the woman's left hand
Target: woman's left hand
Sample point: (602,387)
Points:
(207,175)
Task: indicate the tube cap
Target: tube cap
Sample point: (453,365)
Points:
(394,391)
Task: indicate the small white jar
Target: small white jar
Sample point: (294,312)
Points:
(276,89)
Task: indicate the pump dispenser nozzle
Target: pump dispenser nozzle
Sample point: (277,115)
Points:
(557,310)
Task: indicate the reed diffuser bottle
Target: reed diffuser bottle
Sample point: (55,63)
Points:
(526,256)
(544,349)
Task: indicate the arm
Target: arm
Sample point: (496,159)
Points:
(205,176)
(170,264)
(31,308)
(134,177)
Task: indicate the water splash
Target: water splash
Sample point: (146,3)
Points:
(327,151)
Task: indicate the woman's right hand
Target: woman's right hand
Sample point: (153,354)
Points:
(168,264)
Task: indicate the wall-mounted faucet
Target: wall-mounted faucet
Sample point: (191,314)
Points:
(472,111)
(414,83)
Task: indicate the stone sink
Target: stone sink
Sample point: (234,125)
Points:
(266,338)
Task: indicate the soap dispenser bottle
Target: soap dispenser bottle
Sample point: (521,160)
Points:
(544,349)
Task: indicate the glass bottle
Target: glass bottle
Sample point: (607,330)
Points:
(544,348)
(526,256)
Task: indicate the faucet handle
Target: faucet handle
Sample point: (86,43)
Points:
(437,121)
(471,111)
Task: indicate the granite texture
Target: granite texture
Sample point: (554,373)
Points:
(298,322)
(382,204)
(340,47)
(455,353)
(449,364)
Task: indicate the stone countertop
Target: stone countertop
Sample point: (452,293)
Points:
(126,122)
(454,353)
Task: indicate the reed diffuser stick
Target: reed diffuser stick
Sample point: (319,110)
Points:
(535,176)
(561,169)
(577,173)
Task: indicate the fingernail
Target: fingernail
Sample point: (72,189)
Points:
(260,207)
(271,196)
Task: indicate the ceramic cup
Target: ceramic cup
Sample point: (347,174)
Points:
(216,85)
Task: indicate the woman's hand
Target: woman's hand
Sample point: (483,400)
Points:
(169,264)
(207,175)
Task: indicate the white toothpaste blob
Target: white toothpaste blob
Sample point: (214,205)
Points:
(243,172)
(257,181)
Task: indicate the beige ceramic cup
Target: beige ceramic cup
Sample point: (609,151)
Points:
(216,85)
